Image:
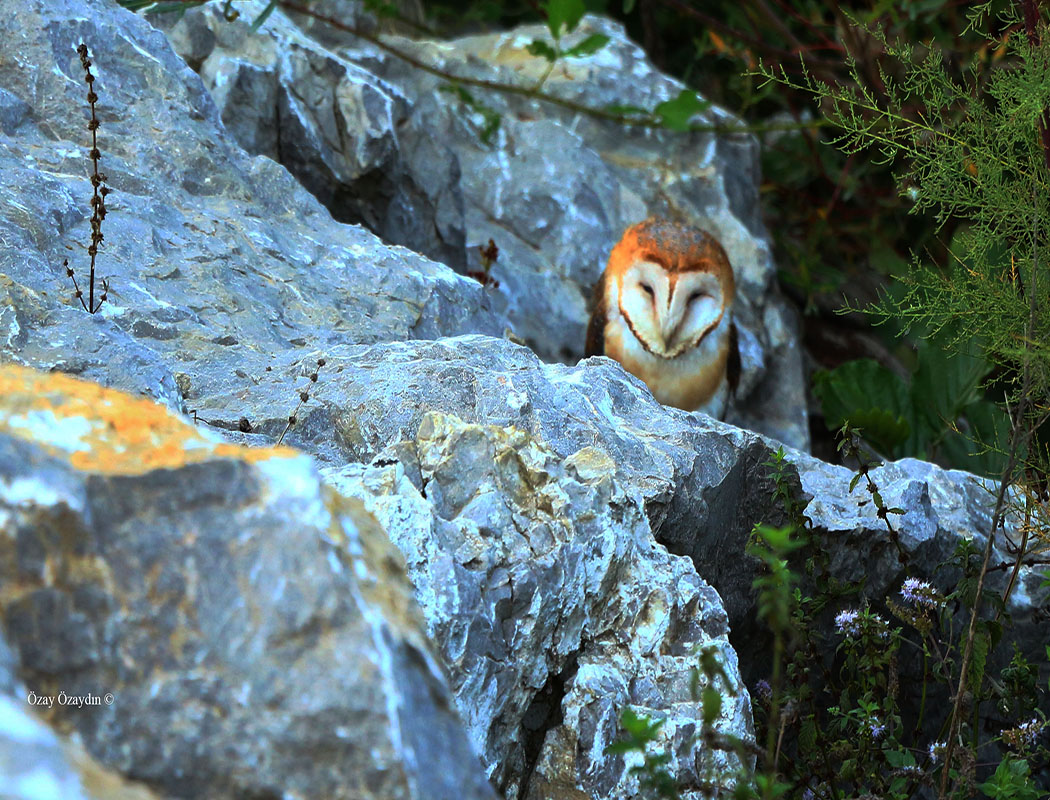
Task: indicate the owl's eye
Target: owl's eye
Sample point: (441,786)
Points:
(697,295)
(647,289)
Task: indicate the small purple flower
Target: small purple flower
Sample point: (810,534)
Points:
(878,730)
(808,795)
(880,627)
(920,593)
(848,623)
(1024,736)
(937,751)
(763,690)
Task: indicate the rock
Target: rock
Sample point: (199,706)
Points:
(943,509)
(553,606)
(255,631)
(388,144)
(216,261)
(702,483)
(255,626)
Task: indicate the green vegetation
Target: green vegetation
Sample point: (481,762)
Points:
(843,726)
(972,150)
(938,413)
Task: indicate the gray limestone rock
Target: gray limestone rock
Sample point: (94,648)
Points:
(253,621)
(38,764)
(553,606)
(703,483)
(237,628)
(552,188)
(216,261)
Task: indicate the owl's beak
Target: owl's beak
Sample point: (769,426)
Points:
(669,330)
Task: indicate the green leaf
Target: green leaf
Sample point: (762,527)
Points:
(807,736)
(628,6)
(981,643)
(941,387)
(711,705)
(564,13)
(1011,781)
(676,114)
(540,48)
(899,758)
(590,45)
(639,725)
(266,12)
(884,429)
(868,396)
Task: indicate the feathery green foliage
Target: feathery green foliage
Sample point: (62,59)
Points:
(975,156)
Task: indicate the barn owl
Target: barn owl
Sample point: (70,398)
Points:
(664,310)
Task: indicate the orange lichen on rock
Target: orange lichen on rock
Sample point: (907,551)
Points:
(105,430)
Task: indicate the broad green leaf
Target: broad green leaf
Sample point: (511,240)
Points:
(870,397)
(711,705)
(564,14)
(540,48)
(981,644)
(676,114)
(807,736)
(899,758)
(639,725)
(943,385)
(885,430)
(1012,781)
(591,44)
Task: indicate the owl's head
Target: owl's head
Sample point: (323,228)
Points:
(674,284)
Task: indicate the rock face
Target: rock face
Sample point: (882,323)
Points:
(216,261)
(237,628)
(552,604)
(134,585)
(943,508)
(255,624)
(383,142)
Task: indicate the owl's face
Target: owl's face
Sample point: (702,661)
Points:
(675,285)
(670,312)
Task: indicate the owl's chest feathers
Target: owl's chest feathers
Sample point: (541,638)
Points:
(695,380)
